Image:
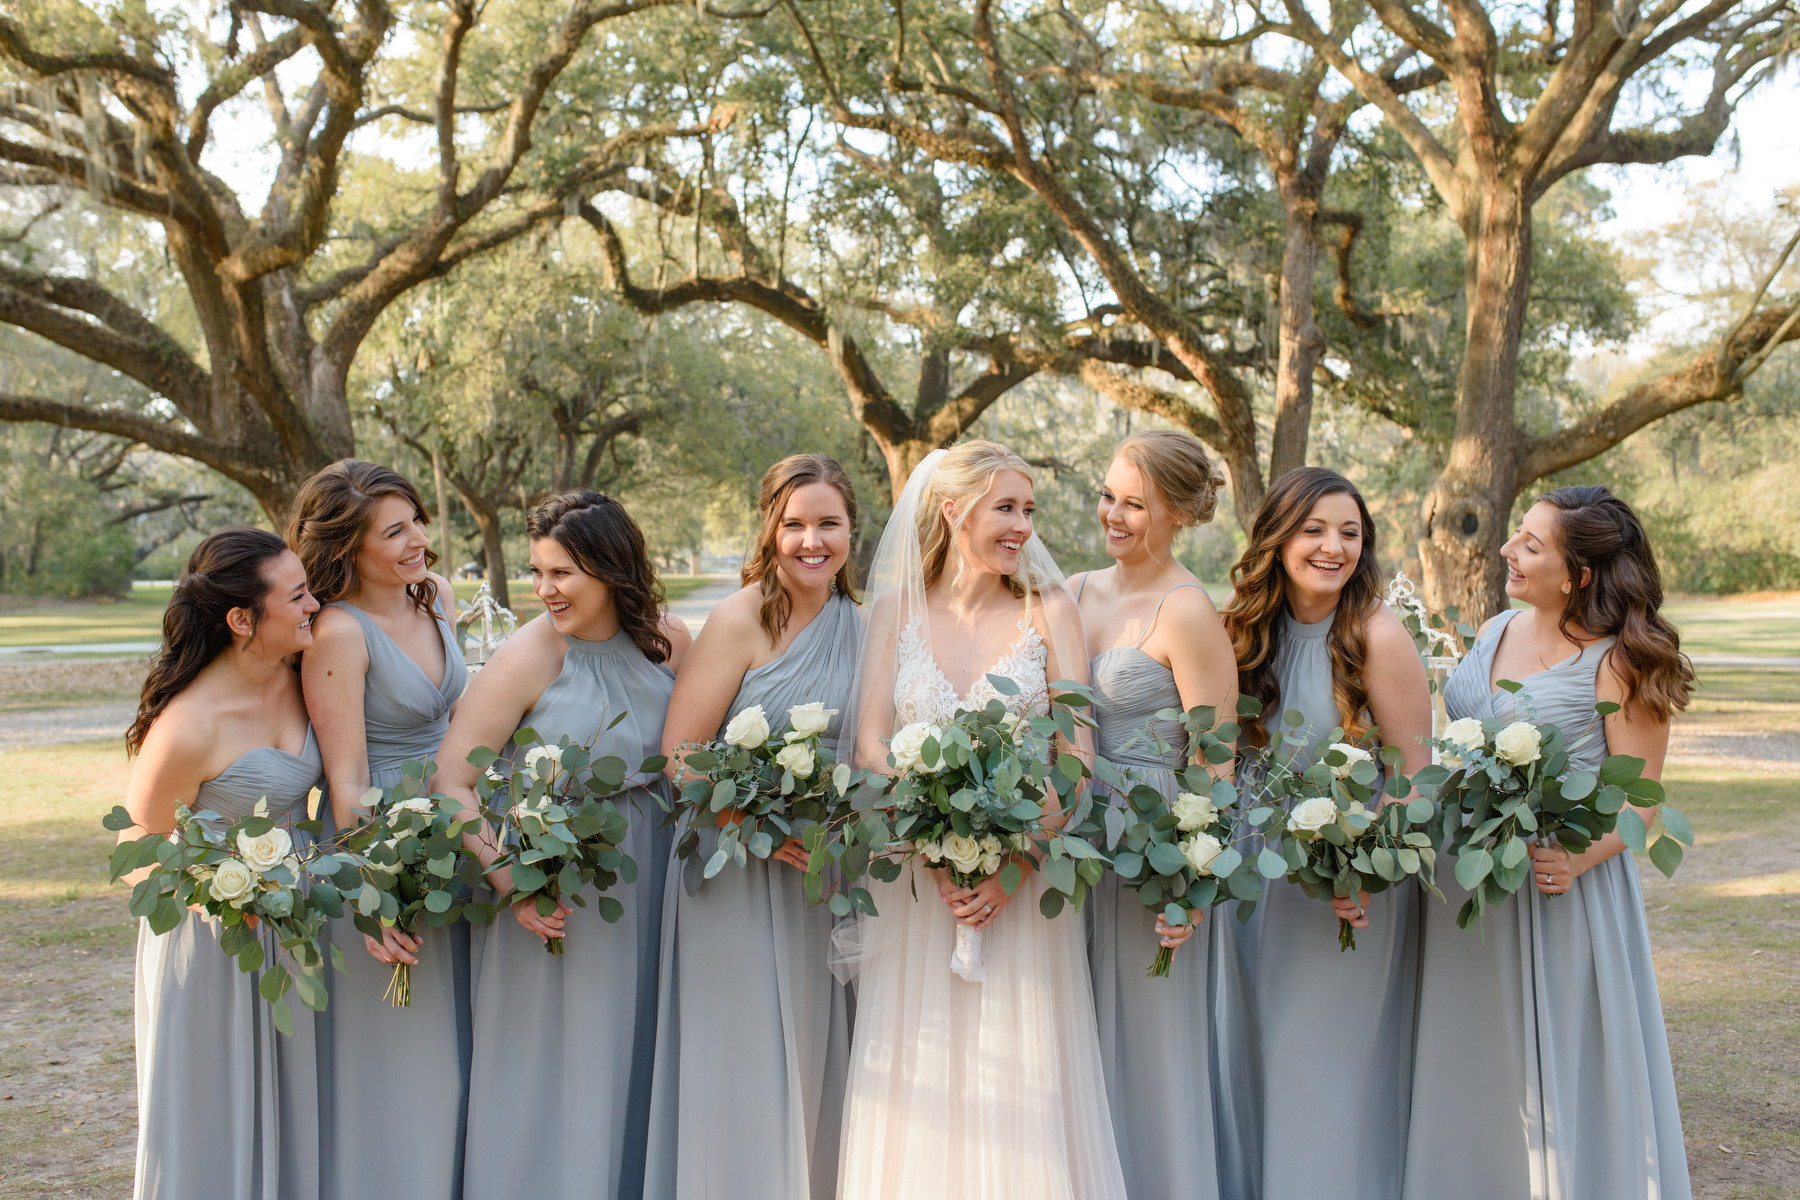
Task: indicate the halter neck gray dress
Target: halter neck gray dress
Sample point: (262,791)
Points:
(753,1034)
(1155,1034)
(559,1090)
(226,1105)
(1551,1006)
(1318,1066)
(374,1148)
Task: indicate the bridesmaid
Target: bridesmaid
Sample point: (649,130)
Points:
(1318,1067)
(752,1030)
(226,1105)
(1165,648)
(560,1085)
(381,680)
(1552,1004)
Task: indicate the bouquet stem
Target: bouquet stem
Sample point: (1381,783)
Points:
(966,956)
(1160,968)
(1346,936)
(399,989)
(553,945)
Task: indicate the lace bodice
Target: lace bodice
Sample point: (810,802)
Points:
(922,692)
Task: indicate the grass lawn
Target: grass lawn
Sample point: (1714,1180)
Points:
(1762,625)
(139,619)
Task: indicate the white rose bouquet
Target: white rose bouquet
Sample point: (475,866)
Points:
(559,822)
(1500,784)
(1183,852)
(251,878)
(406,867)
(761,789)
(968,798)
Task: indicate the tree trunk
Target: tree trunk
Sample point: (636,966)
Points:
(446,554)
(902,458)
(1469,508)
(487,519)
(1301,344)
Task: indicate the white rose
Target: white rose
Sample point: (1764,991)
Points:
(232,881)
(810,719)
(797,758)
(266,850)
(749,729)
(418,804)
(1467,733)
(930,851)
(542,761)
(1200,850)
(1518,744)
(1193,811)
(990,862)
(1312,814)
(1352,756)
(963,853)
(905,746)
(1016,727)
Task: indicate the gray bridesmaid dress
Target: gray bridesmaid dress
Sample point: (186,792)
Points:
(1542,1068)
(227,1106)
(753,1034)
(373,1147)
(1316,1053)
(1155,1034)
(559,1090)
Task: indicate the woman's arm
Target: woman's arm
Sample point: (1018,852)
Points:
(332,673)
(681,641)
(1399,695)
(709,677)
(875,688)
(170,766)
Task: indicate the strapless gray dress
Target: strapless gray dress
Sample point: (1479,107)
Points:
(753,1037)
(375,1148)
(1316,1056)
(1155,1034)
(1542,1067)
(227,1106)
(559,1090)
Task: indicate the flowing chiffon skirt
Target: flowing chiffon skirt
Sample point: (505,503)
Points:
(974,1091)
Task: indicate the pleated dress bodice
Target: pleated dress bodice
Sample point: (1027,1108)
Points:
(1551,1002)
(227,1105)
(753,1030)
(405,715)
(1130,688)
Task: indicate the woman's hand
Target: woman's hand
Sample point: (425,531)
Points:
(1552,869)
(394,946)
(977,907)
(526,913)
(793,853)
(1355,911)
(1176,936)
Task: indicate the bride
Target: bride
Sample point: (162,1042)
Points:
(957,1089)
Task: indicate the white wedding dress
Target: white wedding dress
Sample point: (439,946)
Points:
(974,1091)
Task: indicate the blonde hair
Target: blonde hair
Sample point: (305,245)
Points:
(1177,466)
(965,474)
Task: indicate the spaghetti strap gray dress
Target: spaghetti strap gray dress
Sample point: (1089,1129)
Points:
(227,1106)
(559,1089)
(1316,1055)
(373,1147)
(1155,1034)
(753,1034)
(1542,1067)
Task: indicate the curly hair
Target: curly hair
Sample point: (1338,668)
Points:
(332,516)
(1259,599)
(1622,596)
(780,482)
(607,544)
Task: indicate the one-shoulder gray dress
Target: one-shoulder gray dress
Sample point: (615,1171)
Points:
(1155,1034)
(559,1092)
(753,1038)
(1542,1068)
(380,1140)
(1318,1068)
(227,1106)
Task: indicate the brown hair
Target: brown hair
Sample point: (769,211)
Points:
(607,544)
(1177,466)
(332,515)
(779,483)
(1622,596)
(965,474)
(1259,599)
(224,572)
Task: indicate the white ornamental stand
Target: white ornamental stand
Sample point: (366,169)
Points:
(488,622)
(1437,648)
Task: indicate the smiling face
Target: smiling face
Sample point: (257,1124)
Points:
(1320,556)
(285,626)
(392,554)
(1137,520)
(997,526)
(579,605)
(813,540)
(1535,569)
